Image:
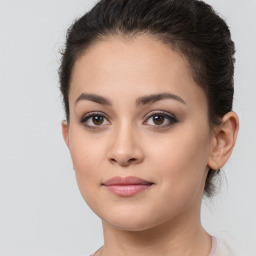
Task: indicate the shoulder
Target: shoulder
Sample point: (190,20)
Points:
(83,254)
(227,245)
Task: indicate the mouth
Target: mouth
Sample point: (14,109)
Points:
(127,186)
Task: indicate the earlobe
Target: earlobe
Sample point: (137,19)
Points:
(224,141)
(65,134)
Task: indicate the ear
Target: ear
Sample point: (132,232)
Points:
(65,133)
(224,140)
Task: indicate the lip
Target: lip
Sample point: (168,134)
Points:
(127,186)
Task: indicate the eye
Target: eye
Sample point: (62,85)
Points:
(161,119)
(94,120)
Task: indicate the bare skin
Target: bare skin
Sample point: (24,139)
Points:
(135,110)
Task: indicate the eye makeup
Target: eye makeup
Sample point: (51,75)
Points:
(156,119)
(160,119)
(94,120)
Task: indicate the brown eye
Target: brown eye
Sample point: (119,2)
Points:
(161,119)
(158,120)
(94,120)
(97,120)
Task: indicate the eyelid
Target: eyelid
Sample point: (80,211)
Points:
(162,112)
(90,115)
(172,118)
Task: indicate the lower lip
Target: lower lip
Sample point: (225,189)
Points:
(127,190)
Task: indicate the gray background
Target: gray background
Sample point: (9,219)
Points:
(41,210)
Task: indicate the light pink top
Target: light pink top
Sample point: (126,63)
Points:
(214,246)
(212,252)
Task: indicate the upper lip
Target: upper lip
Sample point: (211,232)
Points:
(126,181)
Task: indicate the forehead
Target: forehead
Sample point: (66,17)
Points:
(142,63)
(134,55)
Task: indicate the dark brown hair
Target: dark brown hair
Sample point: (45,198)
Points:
(190,27)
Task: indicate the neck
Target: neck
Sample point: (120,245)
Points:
(175,237)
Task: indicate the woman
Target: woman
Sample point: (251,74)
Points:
(148,90)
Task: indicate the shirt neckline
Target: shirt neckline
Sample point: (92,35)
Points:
(214,246)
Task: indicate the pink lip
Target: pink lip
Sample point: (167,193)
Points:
(126,186)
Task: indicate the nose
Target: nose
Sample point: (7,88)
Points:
(126,148)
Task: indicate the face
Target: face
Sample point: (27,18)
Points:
(138,134)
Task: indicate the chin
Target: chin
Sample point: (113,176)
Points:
(134,221)
(129,225)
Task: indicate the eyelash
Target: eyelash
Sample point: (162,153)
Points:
(90,115)
(167,116)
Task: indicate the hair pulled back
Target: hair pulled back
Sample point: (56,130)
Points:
(190,27)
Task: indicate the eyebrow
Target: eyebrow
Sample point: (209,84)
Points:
(139,102)
(157,97)
(95,98)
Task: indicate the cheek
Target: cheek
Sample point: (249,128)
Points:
(181,162)
(86,152)
(87,158)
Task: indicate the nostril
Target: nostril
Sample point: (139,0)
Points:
(132,160)
(123,162)
(113,160)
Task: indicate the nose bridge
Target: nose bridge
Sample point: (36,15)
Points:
(125,147)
